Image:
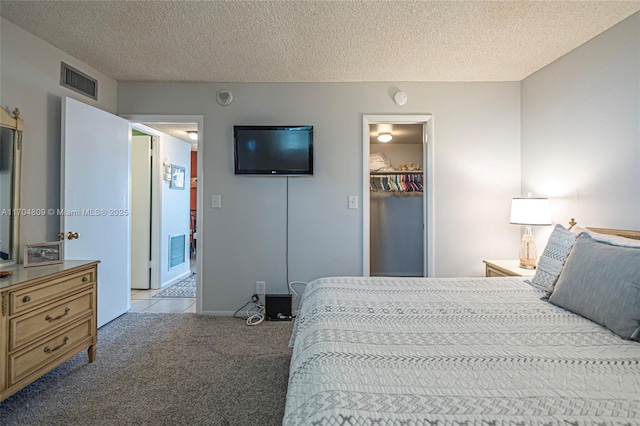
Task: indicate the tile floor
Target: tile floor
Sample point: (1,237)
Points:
(143,301)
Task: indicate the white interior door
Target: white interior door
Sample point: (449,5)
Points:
(140,211)
(96,198)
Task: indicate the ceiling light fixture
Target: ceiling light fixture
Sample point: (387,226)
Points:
(193,135)
(384,137)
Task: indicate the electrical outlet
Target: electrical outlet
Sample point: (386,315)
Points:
(261,287)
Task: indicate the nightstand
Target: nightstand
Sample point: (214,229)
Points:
(507,268)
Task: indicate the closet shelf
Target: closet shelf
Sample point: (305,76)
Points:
(396,193)
(396,182)
(397,172)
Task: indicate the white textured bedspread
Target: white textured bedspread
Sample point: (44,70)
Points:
(454,351)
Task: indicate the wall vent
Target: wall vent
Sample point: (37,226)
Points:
(176,250)
(78,81)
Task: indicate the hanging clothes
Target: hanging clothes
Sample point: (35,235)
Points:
(397,182)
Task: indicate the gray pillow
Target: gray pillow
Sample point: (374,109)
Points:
(602,282)
(553,257)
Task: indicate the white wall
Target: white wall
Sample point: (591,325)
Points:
(581,131)
(477,171)
(29,80)
(175,208)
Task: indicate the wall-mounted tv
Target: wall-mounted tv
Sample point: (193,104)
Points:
(273,150)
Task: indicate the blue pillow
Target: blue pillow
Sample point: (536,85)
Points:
(601,282)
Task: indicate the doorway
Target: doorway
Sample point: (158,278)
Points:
(108,153)
(397,199)
(175,263)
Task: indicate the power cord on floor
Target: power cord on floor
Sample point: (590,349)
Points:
(295,293)
(255,318)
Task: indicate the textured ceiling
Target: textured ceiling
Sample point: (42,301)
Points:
(317,41)
(177,130)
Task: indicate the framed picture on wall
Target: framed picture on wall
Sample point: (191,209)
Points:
(43,254)
(177,177)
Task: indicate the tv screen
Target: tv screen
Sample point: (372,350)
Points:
(273,150)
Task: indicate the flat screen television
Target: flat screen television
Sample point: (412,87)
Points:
(273,150)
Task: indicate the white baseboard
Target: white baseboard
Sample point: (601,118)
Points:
(177,279)
(219,313)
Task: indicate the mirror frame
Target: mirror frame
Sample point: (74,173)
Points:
(14,123)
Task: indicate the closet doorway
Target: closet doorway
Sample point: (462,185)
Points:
(398,195)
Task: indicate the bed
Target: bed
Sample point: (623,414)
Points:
(471,351)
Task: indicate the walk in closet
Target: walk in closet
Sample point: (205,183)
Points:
(396,191)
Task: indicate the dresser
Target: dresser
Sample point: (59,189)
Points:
(49,314)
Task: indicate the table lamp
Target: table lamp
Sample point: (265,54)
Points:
(529,212)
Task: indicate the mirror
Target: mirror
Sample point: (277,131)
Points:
(11,128)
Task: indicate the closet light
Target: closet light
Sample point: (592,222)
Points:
(193,135)
(384,137)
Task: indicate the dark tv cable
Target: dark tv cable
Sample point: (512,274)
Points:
(286,262)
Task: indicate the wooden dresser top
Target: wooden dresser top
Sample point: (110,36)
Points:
(20,274)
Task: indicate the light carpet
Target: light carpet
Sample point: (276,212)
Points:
(165,369)
(184,288)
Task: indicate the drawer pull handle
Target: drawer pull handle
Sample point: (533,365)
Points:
(26,299)
(50,318)
(85,279)
(48,350)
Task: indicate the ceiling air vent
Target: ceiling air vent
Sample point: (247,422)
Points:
(78,81)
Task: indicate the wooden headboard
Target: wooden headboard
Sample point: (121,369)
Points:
(620,232)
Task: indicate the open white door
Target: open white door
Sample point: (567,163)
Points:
(140,211)
(95,198)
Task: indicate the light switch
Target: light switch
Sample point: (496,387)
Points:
(216,203)
(353,201)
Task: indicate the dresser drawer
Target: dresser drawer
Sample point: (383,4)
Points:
(31,297)
(495,273)
(32,326)
(26,362)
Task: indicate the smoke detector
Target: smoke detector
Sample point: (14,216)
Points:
(400,98)
(224,97)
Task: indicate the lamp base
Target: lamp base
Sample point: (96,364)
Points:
(528,253)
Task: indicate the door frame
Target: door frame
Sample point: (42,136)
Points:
(157,164)
(428,237)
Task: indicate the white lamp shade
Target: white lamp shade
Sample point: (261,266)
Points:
(530,211)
